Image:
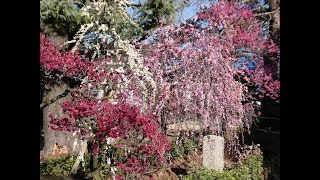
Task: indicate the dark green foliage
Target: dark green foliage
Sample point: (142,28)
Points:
(153,10)
(186,146)
(64,18)
(249,169)
(125,29)
(114,154)
(255,163)
(57,166)
(61,17)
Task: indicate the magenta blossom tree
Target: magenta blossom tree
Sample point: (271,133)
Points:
(114,129)
(114,123)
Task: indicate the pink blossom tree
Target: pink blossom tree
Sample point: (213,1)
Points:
(194,65)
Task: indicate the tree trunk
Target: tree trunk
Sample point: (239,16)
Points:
(52,137)
(275,20)
(79,157)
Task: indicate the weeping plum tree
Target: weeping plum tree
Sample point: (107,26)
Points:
(194,71)
(198,69)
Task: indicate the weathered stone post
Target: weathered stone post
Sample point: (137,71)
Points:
(213,152)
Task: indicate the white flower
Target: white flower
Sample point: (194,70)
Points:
(75,142)
(120,70)
(113,170)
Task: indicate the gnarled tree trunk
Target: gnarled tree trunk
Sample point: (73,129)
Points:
(51,137)
(275,20)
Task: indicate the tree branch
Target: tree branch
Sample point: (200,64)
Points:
(46,103)
(80,155)
(267,13)
(135,5)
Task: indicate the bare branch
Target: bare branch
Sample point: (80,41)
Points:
(135,5)
(46,103)
(267,13)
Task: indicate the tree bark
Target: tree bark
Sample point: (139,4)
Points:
(79,157)
(51,137)
(275,20)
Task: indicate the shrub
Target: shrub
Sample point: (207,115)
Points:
(250,168)
(57,166)
(183,146)
(255,163)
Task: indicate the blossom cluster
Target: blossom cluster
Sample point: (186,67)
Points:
(69,64)
(119,126)
(194,65)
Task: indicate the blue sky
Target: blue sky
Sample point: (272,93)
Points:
(186,13)
(190,11)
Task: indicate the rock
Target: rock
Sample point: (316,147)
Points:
(165,175)
(58,150)
(213,152)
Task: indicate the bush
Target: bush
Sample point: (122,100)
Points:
(255,163)
(250,168)
(57,166)
(183,146)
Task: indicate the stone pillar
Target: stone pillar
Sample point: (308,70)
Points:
(213,152)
